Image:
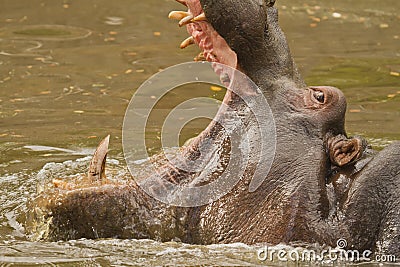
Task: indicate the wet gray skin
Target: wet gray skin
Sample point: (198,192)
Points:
(321,187)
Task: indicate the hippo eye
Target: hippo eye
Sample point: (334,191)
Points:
(319,96)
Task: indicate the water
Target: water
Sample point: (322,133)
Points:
(68,70)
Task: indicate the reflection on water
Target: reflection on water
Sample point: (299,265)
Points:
(68,70)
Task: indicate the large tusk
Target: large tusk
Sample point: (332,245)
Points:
(186,20)
(178,15)
(96,171)
(187,42)
(201,17)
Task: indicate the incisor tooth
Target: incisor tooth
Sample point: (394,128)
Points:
(186,20)
(201,17)
(188,41)
(200,57)
(178,15)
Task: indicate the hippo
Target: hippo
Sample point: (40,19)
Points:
(322,185)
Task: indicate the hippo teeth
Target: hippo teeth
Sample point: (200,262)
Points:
(213,46)
(201,17)
(178,15)
(200,57)
(186,20)
(188,41)
(97,164)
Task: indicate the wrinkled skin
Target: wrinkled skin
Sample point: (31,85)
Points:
(322,186)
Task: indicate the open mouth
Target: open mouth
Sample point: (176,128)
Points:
(214,48)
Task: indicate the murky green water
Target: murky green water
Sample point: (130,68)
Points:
(69,68)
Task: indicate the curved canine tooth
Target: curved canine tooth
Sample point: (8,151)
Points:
(183,2)
(186,20)
(201,17)
(97,164)
(188,41)
(178,15)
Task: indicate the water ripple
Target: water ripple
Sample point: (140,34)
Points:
(45,32)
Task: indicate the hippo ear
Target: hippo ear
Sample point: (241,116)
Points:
(97,164)
(343,151)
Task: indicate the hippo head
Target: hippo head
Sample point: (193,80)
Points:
(246,35)
(311,139)
(293,199)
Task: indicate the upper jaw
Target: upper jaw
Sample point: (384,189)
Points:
(213,46)
(243,34)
